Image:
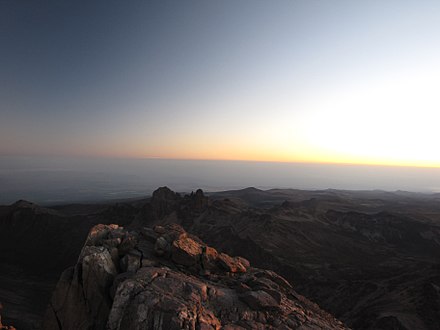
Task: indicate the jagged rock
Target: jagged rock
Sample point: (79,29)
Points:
(262,283)
(186,251)
(173,232)
(111,243)
(148,263)
(164,201)
(159,230)
(243,261)
(149,234)
(230,264)
(274,277)
(199,200)
(82,297)
(128,243)
(4,327)
(154,290)
(242,287)
(118,280)
(99,232)
(209,258)
(162,246)
(118,232)
(131,262)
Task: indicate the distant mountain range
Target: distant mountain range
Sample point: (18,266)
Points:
(370,258)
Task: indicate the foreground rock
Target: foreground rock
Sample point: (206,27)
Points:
(164,278)
(4,327)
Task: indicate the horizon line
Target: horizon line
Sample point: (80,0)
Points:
(310,162)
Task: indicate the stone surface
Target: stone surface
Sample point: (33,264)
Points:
(260,300)
(230,264)
(186,251)
(2,326)
(151,290)
(131,262)
(209,258)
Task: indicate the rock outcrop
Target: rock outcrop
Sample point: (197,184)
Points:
(2,326)
(165,278)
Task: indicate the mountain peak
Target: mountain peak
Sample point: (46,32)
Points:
(251,189)
(24,204)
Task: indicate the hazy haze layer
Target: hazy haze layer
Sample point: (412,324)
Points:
(51,180)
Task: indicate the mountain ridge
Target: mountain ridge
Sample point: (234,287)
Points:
(338,259)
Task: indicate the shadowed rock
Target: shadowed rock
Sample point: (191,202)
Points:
(164,201)
(4,327)
(186,251)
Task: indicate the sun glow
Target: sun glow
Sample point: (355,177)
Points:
(392,120)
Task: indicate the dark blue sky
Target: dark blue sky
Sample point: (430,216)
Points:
(57,52)
(259,80)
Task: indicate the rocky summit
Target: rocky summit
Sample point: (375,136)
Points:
(369,258)
(166,278)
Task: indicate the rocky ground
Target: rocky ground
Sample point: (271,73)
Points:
(370,258)
(167,279)
(2,326)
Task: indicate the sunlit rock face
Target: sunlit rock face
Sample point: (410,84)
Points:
(165,278)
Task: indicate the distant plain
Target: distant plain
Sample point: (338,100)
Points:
(58,180)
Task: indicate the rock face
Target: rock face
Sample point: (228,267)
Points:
(165,278)
(164,201)
(37,244)
(4,327)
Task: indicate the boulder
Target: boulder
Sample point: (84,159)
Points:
(161,247)
(244,262)
(230,264)
(209,258)
(160,230)
(149,234)
(174,231)
(186,251)
(149,263)
(127,244)
(130,262)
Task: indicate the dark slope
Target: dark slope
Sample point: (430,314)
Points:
(36,245)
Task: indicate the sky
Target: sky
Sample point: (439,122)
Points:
(286,81)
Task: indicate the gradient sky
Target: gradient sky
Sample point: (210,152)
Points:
(325,81)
